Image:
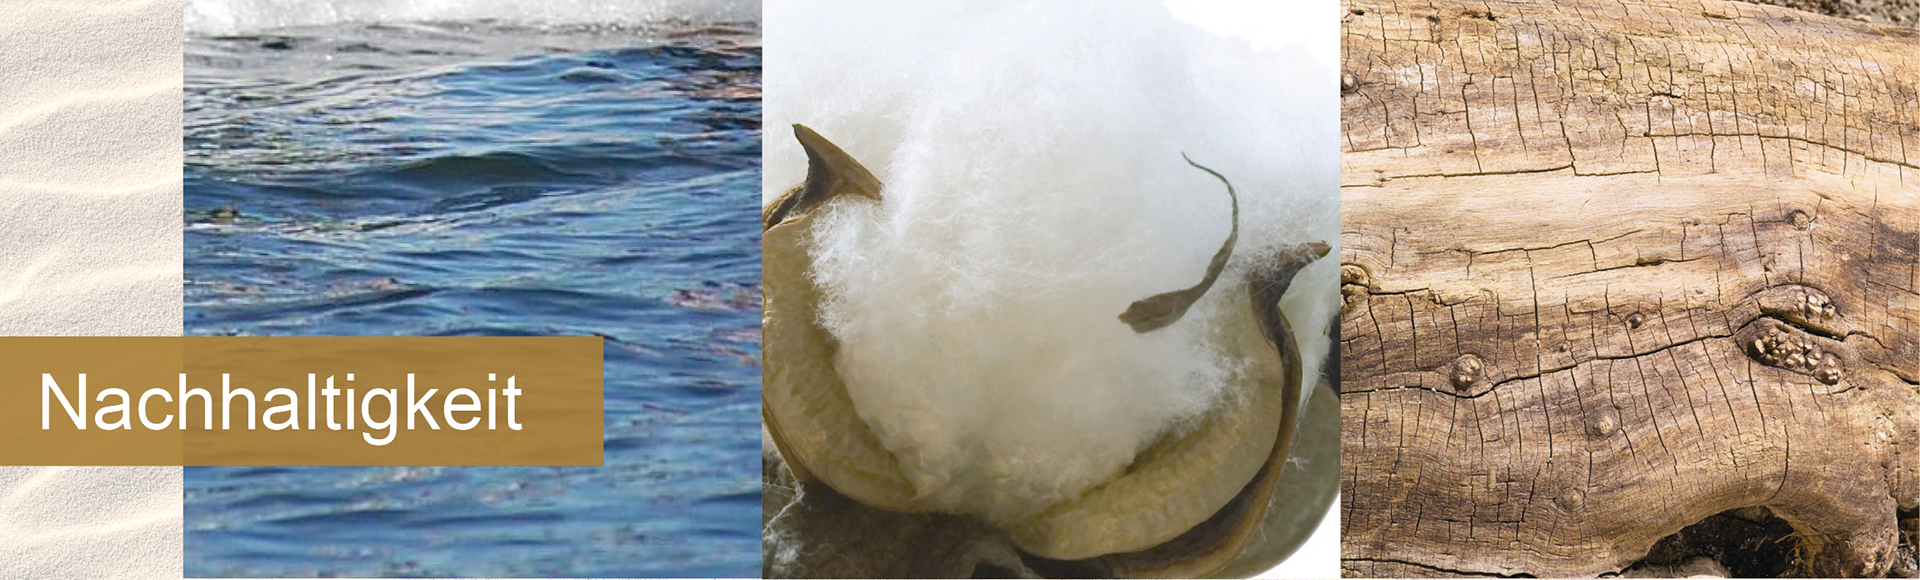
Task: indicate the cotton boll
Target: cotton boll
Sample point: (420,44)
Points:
(1002,378)
(1034,189)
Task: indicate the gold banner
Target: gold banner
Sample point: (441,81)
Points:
(301,401)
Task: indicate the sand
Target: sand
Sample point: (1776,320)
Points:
(90,127)
(90,522)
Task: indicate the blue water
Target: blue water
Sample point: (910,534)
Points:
(487,179)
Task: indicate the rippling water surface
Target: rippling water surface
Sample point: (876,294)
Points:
(462,179)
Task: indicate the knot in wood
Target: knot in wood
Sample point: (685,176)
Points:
(1783,347)
(1871,563)
(1829,371)
(1636,319)
(1604,425)
(1351,295)
(1571,500)
(1816,305)
(1803,305)
(1799,219)
(1351,273)
(1467,370)
(1347,83)
(1355,285)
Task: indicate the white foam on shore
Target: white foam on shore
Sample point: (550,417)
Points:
(217,17)
(90,183)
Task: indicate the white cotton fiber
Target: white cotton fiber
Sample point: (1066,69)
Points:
(1034,188)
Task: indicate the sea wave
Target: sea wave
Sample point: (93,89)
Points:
(487,179)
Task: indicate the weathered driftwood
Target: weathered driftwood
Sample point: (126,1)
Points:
(1611,268)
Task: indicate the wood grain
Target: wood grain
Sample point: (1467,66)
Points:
(1611,268)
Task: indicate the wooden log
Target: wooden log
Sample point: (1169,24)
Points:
(1611,268)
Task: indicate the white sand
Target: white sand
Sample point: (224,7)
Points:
(90,126)
(90,522)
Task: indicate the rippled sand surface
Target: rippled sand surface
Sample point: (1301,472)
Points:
(89,191)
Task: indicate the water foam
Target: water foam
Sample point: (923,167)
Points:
(226,17)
